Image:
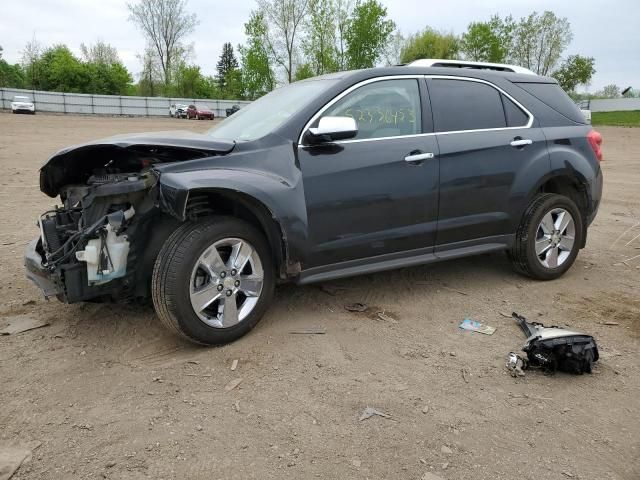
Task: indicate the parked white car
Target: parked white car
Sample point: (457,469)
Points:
(178,110)
(21,104)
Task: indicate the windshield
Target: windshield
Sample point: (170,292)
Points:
(269,112)
(22,99)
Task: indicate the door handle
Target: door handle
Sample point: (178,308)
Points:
(520,142)
(418,157)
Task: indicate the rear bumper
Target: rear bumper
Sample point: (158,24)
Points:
(43,278)
(596,196)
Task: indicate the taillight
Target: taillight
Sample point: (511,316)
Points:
(595,140)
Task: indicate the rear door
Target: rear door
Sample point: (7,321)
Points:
(375,194)
(487,142)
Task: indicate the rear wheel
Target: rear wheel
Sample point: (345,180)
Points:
(548,238)
(213,280)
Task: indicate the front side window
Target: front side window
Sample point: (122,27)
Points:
(388,108)
(465,105)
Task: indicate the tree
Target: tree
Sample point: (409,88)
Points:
(575,70)
(610,91)
(393,51)
(319,45)
(539,40)
(31,63)
(151,79)
(226,64)
(165,24)
(430,44)
(62,71)
(304,71)
(488,41)
(367,34)
(343,13)
(257,74)
(10,75)
(284,20)
(100,52)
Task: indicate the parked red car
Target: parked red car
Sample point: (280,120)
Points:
(199,112)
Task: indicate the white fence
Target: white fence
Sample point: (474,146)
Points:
(82,103)
(614,104)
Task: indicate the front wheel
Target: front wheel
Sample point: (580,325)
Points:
(213,280)
(548,238)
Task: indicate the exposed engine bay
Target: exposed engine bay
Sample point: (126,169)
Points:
(92,245)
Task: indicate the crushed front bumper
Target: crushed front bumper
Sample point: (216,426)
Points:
(43,278)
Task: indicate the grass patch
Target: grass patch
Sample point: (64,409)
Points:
(630,118)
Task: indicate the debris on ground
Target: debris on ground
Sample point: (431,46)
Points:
(12,456)
(555,348)
(465,374)
(372,412)
(356,307)
(611,323)
(310,331)
(425,409)
(232,384)
(473,326)
(516,365)
(234,364)
(22,323)
(446,450)
(430,476)
(386,318)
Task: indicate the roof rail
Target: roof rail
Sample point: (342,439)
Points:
(500,67)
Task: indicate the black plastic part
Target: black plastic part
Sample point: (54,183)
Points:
(571,354)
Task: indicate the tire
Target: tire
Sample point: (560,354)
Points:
(532,234)
(176,268)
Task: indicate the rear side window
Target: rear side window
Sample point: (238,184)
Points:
(553,96)
(465,105)
(515,115)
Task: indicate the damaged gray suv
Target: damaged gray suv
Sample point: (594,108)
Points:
(330,177)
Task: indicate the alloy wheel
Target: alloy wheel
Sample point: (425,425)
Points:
(555,238)
(226,282)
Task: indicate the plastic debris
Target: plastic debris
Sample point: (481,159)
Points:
(356,307)
(22,323)
(516,365)
(232,384)
(309,331)
(372,412)
(473,326)
(234,364)
(555,348)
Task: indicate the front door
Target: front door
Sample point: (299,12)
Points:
(377,193)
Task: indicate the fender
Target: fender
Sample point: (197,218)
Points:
(282,199)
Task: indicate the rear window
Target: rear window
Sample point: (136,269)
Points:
(553,96)
(465,105)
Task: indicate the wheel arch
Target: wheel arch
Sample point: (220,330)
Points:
(205,202)
(568,183)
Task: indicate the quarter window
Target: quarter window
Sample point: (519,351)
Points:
(515,116)
(465,105)
(388,108)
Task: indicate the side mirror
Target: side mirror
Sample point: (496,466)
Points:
(333,128)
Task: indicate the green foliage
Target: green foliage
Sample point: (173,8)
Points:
(62,71)
(488,41)
(629,118)
(539,40)
(304,71)
(257,74)
(367,33)
(430,44)
(575,70)
(319,45)
(10,75)
(226,64)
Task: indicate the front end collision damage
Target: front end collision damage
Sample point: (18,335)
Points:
(123,197)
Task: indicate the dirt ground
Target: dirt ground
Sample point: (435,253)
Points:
(110,394)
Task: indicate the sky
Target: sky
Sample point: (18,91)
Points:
(608,31)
